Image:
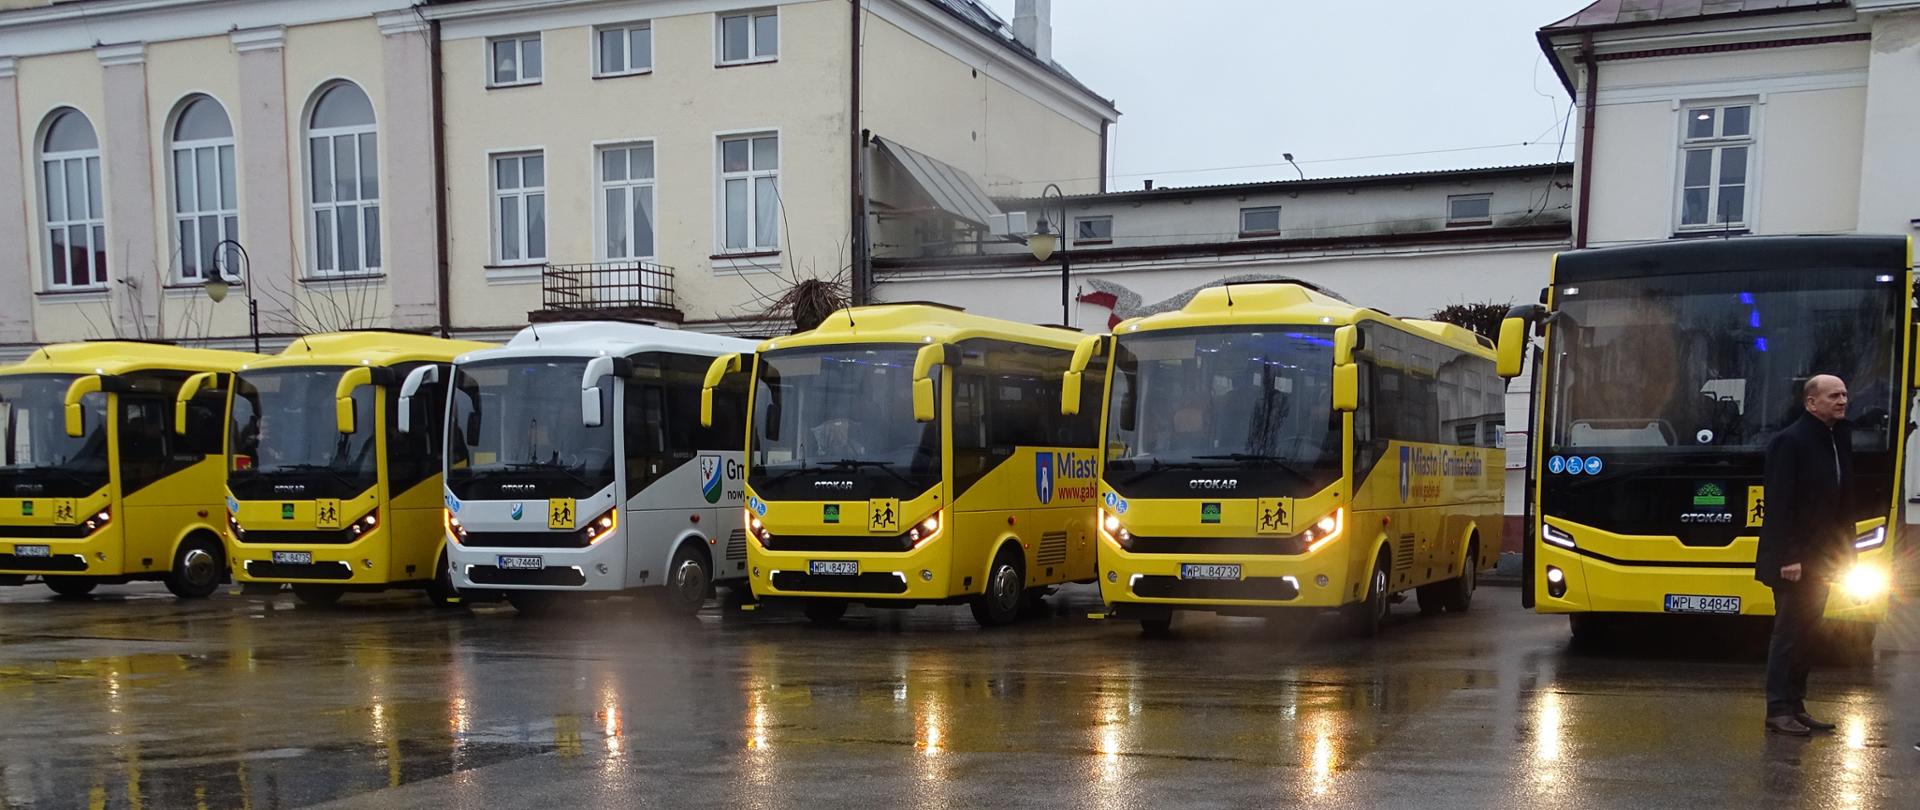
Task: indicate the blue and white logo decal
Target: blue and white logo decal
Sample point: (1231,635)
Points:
(519,510)
(1556,465)
(1043,477)
(1575,464)
(758,506)
(1593,465)
(453,504)
(1116,503)
(233,506)
(1406,472)
(710,478)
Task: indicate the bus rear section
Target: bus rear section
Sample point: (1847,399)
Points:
(1666,370)
(914,454)
(110,476)
(1272,449)
(577,466)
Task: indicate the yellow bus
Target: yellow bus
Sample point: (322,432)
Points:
(915,454)
(326,491)
(100,489)
(1665,370)
(1271,448)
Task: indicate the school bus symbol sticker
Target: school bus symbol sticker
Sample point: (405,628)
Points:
(883,515)
(1274,516)
(1756,506)
(326,513)
(561,513)
(64,513)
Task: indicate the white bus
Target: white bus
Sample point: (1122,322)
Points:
(576,463)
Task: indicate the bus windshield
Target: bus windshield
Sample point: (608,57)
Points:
(1716,361)
(285,440)
(840,414)
(40,458)
(517,426)
(1197,399)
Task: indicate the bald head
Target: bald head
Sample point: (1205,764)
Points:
(1826,398)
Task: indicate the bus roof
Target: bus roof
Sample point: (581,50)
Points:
(616,338)
(371,347)
(124,357)
(1284,302)
(918,324)
(1736,254)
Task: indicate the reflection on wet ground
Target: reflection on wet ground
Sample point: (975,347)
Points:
(135,700)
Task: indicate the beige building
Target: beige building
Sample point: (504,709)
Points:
(466,165)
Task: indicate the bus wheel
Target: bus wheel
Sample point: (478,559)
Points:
(688,581)
(1364,617)
(1587,628)
(441,593)
(825,611)
(1456,595)
(534,603)
(1157,628)
(72,587)
(318,595)
(1432,601)
(196,568)
(1006,589)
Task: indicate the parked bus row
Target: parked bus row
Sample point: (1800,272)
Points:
(1266,448)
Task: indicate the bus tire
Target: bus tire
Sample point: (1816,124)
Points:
(197,568)
(1157,628)
(72,587)
(689,579)
(1431,599)
(441,593)
(534,604)
(1456,595)
(318,596)
(824,611)
(1365,617)
(999,603)
(1587,628)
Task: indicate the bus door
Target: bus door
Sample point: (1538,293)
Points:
(166,479)
(413,499)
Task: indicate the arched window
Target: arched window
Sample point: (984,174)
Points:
(206,208)
(343,182)
(76,219)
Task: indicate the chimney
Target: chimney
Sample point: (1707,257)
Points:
(1033,27)
(1149,185)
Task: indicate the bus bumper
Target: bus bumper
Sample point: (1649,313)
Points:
(362,562)
(97,555)
(1131,582)
(1567,582)
(924,574)
(598,567)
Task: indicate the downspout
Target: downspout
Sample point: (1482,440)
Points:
(1104,125)
(443,264)
(1586,138)
(862,258)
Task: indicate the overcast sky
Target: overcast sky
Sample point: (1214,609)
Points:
(1214,91)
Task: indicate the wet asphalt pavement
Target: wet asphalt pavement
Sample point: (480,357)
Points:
(132,699)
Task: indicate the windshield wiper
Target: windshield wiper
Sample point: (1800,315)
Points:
(858,463)
(1277,462)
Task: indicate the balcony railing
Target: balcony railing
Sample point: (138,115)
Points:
(601,286)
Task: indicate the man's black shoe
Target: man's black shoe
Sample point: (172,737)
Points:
(1786,724)
(1808,721)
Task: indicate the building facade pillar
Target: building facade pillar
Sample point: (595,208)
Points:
(412,250)
(135,276)
(267,225)
(16,280)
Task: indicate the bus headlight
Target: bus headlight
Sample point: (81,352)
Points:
(1872,539)
(454,529)
(758,529)
(1555,536)
(1325,530)
(925,530)
(1115,533)
(1866,582)
(99,520)
(601,526)
(366,524)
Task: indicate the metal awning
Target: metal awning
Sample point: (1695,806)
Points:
(951,189)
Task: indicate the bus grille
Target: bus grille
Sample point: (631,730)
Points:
(1250,546)
(553,575)
(58,562)
(1273,588)
(566,539)
(1053,549)
(1403,554)
(876,582)
(853,543)
(737,545)
(73,532)
(298,537)
(324,570)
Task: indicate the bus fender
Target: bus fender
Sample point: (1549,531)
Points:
(694,537)
(999,545)
(1467,535)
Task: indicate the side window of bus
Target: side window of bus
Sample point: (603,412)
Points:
(149,450)
(414,456)
(1007,396)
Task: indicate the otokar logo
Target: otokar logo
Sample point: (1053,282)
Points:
(1706,517)
(1214,483)
(1050,468)
(710,478)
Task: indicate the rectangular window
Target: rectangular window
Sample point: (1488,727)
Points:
(519,208)
(1093,230)
(1260,221)
(623,50)
(205,211)
(748,36)
(513,60)
(1468,210)
(626,201)
(76,245)
(750,193)
(1716,150)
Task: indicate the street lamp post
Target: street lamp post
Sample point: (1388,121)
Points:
(217,285)
(1042,244)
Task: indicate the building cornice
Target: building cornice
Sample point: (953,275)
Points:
(74,27)
(126,53)
(269,38)
(9,67)
(1021,69)
(409,21)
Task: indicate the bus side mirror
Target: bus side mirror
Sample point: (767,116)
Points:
(76,417)
(590,413)
(930,355)
(1513,347)
(343,397)
(1076,370)
(1346,388)
(420,376)
(189,390)
(717,371)
(1346,340)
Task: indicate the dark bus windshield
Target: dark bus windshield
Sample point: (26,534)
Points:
(841,413)
(517,421)
(284,435)
(40,458)
(1251,399)
(1715,361)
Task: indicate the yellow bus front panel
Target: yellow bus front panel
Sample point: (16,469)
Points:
(322,541)
(51,536)
(831,548)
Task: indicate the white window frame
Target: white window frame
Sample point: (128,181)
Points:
(1245,232)
(333,204)
(1466,222)
(94,223)
(520,61)
(523,226)
(632,188)
(226,182)
(626,44)
(756,242)
(1716,145)
(753,16)
(1079,239)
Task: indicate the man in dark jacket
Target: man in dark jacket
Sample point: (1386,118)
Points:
(1804,543)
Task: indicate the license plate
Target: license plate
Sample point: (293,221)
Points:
(1684,603)
(1209,571)
(840,568)
(293,558)
(521,563)
(32,551)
